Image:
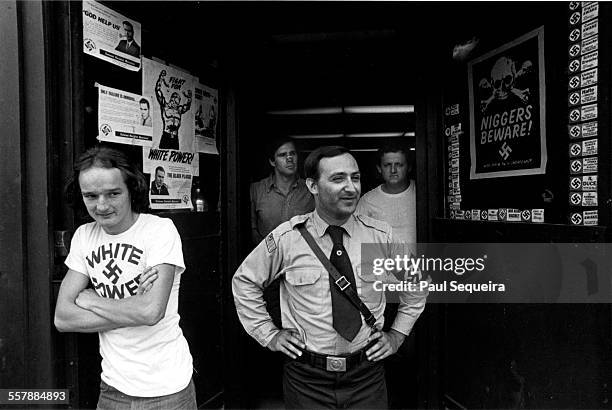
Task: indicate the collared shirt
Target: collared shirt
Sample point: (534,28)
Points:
(305,289)
(270,207)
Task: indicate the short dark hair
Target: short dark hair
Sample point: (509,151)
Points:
(276,143)
(127,23)
(395,147)
(144,101)
(311,165)
(105,157)
(159,168)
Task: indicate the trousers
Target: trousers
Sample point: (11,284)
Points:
(308,387)
(112,399)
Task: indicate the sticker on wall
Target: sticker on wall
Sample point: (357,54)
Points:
(574,82)
(575,18)
(589,165)
(575,149)
(484,215)
(589,199)
(574,65)
(588,78)
(589,129)
(502,214)
(537,215)
(583,183)
(575,198)
(574,115)
(590,10)
(475,214)
(467,215)
(575,183)
(589,61)
(589,44)
(576,218)
(454,205)
(589,147)
(493,214)
(452,110)
(590,217)
(574,98)
(589,182)
(574,50)
(514,215)
(590,28)
(526,215)
(456,129)
(588,95)
(574,131)
(460,214)
(574,35)
(584,165)
(574,5)
(588,112)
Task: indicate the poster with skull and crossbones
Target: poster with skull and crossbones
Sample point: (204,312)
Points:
(507,109)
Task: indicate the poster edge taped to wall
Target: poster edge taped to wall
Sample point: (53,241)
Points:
(541,169)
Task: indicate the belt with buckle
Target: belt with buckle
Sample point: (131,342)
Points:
(333,363)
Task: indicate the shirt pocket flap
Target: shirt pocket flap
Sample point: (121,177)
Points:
(300,277)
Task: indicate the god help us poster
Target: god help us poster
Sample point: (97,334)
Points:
(507,109)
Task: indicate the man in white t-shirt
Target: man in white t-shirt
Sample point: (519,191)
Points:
(394,201)
(146,361)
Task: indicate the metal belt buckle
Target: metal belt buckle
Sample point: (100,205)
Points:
(345,283)
(335,364)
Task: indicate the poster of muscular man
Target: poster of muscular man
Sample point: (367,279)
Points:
(507,103)
(172,113)
(171,91)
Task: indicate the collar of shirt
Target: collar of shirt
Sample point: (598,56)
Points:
(321,226)
(270,183)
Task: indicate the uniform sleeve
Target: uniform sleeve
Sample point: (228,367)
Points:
(411,301)
(255,273)
(165,246)
(75,259)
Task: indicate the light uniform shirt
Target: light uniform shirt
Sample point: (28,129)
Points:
(270,207)
(398,210)
(305,290)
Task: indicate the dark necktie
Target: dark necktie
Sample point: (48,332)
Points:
(347,319)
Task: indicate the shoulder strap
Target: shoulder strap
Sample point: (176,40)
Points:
(339,280)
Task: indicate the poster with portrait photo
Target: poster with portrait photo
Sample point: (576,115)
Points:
(124,117)
(170,182)
(110,36)
(206,115)
(507,109)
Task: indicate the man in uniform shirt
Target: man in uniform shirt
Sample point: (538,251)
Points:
(280,196)
(332,367)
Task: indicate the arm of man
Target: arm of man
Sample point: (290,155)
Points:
(411,305)
(138,310)
(158,91)
(69,317)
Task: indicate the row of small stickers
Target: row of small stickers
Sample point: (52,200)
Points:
(583,63)
(499,215)
(452,131)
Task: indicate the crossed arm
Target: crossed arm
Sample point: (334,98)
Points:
(80,309)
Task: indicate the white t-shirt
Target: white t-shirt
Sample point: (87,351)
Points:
(144,361)
(398,210)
